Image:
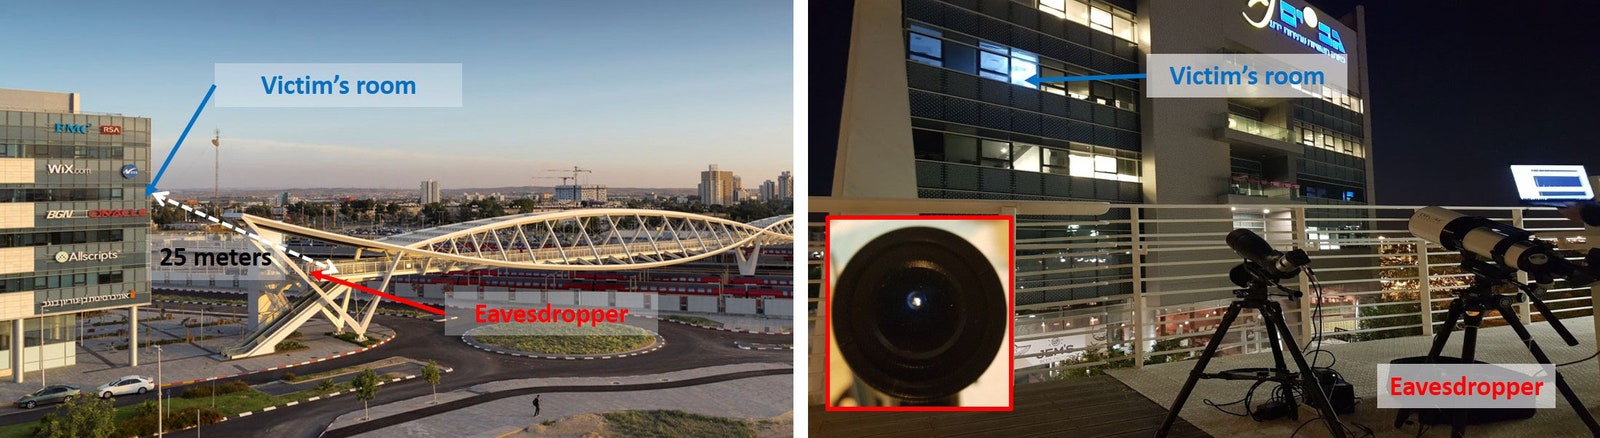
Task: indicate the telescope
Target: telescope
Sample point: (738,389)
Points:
(1504,244)
(1261,261)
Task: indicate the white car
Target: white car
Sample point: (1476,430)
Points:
(126,385)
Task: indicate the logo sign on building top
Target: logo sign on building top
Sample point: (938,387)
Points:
(1299,23)
(83,256)
(130,171)
(69,169)
(110,130)
(71,128)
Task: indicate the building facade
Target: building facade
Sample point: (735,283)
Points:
(717,187)
(580,193)
(430,192)
(785,185)
(934,101)
(73,224)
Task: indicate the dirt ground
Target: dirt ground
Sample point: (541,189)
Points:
(593,426)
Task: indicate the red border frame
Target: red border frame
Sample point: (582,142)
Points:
(827,320)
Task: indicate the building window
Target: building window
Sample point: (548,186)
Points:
(1100,19)
(1025,157)
(994,62)
(1024,65)
(996,154)
(925,45)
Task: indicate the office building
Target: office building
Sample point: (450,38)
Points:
(785,185)
(430,192)
(769,191)
(73,225)
(717,187)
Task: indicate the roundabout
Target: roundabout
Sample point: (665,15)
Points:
(545,341)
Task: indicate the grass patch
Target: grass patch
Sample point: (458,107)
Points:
(694,320)
(605,338)
(288,346)
(674,423)
(351,337)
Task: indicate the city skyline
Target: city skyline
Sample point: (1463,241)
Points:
(540,90)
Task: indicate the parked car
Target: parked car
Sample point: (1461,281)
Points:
(47,395)
(126,385)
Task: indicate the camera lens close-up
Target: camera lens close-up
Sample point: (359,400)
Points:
(919,315)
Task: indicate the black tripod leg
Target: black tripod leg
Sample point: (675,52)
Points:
(1277,348)
(1274,316)
(1443,336)
(1199,368)
(1561,384)
(1469,349)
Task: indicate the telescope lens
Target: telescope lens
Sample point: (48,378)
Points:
(919,314)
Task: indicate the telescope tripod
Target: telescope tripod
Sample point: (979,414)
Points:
(1256,297)
(1469,307)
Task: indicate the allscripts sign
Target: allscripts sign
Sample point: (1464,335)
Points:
(1287,18)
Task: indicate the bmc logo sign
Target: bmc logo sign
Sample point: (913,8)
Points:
(66,168)
(110,129)
(75,129)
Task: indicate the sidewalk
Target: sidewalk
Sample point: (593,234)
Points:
(98,362)
(755,397)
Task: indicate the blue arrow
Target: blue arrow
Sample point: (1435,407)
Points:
(151,187)
(1036,80)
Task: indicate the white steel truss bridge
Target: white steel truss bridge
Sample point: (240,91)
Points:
(571,240)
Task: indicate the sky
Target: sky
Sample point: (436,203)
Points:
(644,93)
(1459,91)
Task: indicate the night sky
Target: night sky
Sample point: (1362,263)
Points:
(1458,91)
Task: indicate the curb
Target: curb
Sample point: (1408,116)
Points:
(279,367)
(660,343)
(742,346)
(753,332)
(240,415)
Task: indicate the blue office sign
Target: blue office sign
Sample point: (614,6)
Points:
(130,171)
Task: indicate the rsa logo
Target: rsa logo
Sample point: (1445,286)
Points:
(110,130)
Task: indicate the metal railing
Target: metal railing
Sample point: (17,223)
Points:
(1146,284)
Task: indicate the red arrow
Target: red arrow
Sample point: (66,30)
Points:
(318,275)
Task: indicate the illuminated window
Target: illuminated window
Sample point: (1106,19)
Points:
(993,65)
(1100,19)
(1057,8)
(996,154)
(1025,157)
(925,46)
(1082,165)
(1024,65)
(1105,164)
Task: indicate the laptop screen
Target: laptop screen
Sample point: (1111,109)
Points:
(1552,183)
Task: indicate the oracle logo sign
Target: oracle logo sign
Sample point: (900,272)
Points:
(127,212)
(110,130)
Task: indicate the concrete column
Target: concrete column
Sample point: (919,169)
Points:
(133,336)
(17,347)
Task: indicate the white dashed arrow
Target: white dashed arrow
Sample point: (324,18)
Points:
(326,265)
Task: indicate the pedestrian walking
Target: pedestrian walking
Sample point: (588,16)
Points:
(535,405)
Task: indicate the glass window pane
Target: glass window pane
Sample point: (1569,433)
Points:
(960,57)
(1100,18)
(927,47)
(1122,28)
(993,62)
(1053,7)
(1077,10)
(1105,164)
(1025,157)
(960,149)
(1082,165)
(1024,65)
(997,150)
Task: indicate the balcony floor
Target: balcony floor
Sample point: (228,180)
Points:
(1357,362)
(1097,406)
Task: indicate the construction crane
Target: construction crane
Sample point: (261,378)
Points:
(563,179)
(575,171)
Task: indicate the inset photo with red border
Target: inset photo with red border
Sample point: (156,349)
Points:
(919,313)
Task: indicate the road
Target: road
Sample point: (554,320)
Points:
(687,348)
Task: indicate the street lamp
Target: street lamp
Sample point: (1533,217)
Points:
(159,407)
